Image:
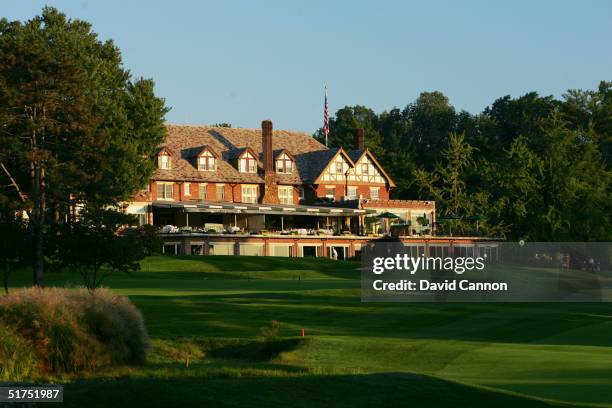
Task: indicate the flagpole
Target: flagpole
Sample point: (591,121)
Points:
(326,117)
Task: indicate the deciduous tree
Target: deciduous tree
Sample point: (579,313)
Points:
(76,128)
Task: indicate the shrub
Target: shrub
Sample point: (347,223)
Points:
(72,330)
(117,324)
(184,351)
(17,359)
(270,332)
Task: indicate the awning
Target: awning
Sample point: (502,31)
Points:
(276,209)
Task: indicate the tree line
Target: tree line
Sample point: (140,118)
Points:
(77,135)
(533,167)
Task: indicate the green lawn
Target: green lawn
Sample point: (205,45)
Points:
(354,354)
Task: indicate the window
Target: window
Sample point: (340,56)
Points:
(220,190)
(249,193)
(207,162)
(285,194)
(374,193)
(164,161)
(302,194)
(281,250)
(339,168)
(247,164)
(352,193)
(251,249)
(203,192)
(365,168)
(164,191)
(330,191)
(187,188)
(284,164)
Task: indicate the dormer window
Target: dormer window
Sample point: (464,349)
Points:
(247,163)
(163,161)
(207,161)
(284,164)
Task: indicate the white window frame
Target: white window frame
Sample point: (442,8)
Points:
(318,249)
(187,189)
(285,195)
(220,187)
(375,196)
(203,187)
(164,161)
(207,162)
(252,193)
(348,192)
(166,189)
(330,195)
(247,163)
(284,164)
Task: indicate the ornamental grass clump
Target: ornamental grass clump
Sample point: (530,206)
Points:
(66,331)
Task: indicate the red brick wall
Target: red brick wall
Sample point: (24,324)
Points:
(319,191)
(363,190)
(296,195)
(339,193)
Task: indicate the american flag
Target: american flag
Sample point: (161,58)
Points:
(326,118)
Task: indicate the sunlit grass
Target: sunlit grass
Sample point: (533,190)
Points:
(205,314)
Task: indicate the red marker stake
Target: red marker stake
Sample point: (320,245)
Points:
(302,332)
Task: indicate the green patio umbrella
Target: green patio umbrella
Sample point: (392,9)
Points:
(388,215)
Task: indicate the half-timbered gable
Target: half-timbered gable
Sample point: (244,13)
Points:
(337,169)
(367,170)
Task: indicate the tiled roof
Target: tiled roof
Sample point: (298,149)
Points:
(355,154)
(185,142)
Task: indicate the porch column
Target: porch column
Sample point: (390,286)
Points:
(186,247)
(433,223)
(409,222)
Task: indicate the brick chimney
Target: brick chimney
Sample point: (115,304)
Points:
(266,145)
(359,139)
(270,185)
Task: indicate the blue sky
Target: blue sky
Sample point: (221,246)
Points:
(244,61)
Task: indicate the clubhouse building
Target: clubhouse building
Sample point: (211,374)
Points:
(227,191)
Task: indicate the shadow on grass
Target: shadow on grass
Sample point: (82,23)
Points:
(242,314)
(251,350)
(378,390)
(244,263)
